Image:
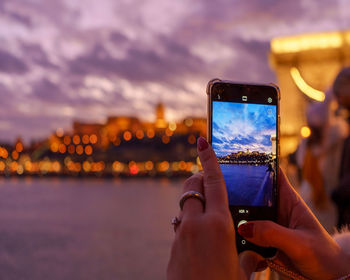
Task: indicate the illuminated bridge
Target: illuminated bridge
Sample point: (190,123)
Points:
(305,66)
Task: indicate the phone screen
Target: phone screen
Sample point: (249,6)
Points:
(244,140)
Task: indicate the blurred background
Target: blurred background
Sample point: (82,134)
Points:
(101,106)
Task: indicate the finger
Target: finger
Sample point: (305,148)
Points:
(213,180)
(193,206)
(270,234)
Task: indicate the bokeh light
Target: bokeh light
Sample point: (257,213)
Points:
(67,140)
(127,135)
(76,139)
(79,149)
(305,132)
(93,139)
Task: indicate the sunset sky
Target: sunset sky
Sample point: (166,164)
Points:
(238,127)
(65,60)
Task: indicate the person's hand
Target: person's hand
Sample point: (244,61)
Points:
(205,245)
(304,245)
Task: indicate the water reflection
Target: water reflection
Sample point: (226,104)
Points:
(86,229)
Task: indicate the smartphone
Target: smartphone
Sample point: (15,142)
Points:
(243,129)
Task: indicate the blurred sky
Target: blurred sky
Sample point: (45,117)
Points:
(238,127)
(64,60)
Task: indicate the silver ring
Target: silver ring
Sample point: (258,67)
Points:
(191,194)
(175,222)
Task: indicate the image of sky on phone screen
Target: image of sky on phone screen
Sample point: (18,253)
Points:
(244,140)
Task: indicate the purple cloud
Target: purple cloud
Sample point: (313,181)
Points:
(64,60)
(11,64)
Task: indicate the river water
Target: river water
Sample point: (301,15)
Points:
(248,184)
(86,228)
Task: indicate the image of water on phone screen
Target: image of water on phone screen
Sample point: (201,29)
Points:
(244,140)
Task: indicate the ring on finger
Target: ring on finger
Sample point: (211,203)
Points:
(191,194)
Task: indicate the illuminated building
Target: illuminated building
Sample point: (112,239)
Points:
(160,118)
(305,66)
(82,129)
(125,127)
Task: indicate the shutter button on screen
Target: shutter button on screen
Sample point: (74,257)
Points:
(241,223)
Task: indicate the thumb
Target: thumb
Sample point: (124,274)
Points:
(270,234)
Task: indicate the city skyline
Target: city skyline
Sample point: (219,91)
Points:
(241,127)
(120,123)
(122,146)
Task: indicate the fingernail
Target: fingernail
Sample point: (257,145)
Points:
(246,230)
(202,144)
